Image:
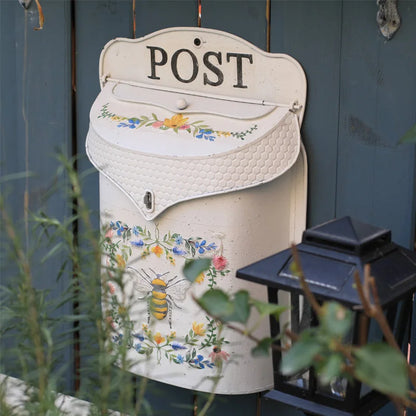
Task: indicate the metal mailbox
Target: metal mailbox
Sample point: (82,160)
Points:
(196,137)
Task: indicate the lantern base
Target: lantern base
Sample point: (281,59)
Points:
(311,408)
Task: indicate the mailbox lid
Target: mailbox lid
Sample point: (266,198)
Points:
(147,121)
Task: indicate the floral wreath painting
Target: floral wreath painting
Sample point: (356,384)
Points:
(177,123)
(201,346)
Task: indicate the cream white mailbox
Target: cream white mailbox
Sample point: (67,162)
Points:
(196,137)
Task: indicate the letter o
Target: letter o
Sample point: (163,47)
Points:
(174,64)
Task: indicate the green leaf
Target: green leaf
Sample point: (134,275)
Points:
(300,356)
(331,368)
(193,268)
(409,136)
(382,368)
(262,349)
(241,307)
(265,308)
(335,319)
(216,303)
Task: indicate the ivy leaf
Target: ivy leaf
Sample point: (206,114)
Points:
(335,319)
(216,303)
(193,268)
(265,308)
(241,307)
(331,368)
(383,368)
(262,349)
(301,355)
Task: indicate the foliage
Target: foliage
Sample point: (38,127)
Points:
(324,347)
(37,340)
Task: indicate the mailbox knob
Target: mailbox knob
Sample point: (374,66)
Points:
(181,104)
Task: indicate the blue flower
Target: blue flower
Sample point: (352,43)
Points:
(199,361)
(139,243)
(177,346)
(136,230)
(117,226)
(137,347)
(179,240)
(118,338)
(200,246)
(133,123)
(207,134)
(211,246)
(179,359)
(178,251)
(139,336)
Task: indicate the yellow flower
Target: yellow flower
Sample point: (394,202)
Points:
(144,326)
(120,261)
(158,338)
(172,334)
(157,250)
(198,329)
(223,133)
(200,278)
(176,121)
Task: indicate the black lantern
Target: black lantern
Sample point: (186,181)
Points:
(330,254)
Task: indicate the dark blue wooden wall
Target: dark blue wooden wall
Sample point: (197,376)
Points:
(361,99)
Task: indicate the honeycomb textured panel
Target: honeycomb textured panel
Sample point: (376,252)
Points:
(177,179)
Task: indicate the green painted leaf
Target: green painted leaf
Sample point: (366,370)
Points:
(241,307)
(409,136)
(216,303)
(262,349)
(335,319)
(383,368)
(265,308)
(300,356)
(193,268)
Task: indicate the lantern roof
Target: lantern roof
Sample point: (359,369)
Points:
(331,253)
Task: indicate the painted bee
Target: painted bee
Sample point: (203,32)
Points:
(160,294)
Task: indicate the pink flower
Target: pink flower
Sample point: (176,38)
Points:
(157,124)
(220,262)
(109,234)
(111,288)
(218,355)
(184,127)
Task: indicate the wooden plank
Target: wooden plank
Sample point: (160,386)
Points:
(376,175)
(310,31)
(152,16)
(35,84)
(96,23)
(246,19)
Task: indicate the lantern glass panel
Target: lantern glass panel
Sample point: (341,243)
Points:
(337,387)
(296,319)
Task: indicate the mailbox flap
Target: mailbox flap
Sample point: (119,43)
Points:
(164,138)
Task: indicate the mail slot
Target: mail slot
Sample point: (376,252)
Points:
(196,135)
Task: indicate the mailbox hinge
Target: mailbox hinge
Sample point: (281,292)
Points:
(295,107)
